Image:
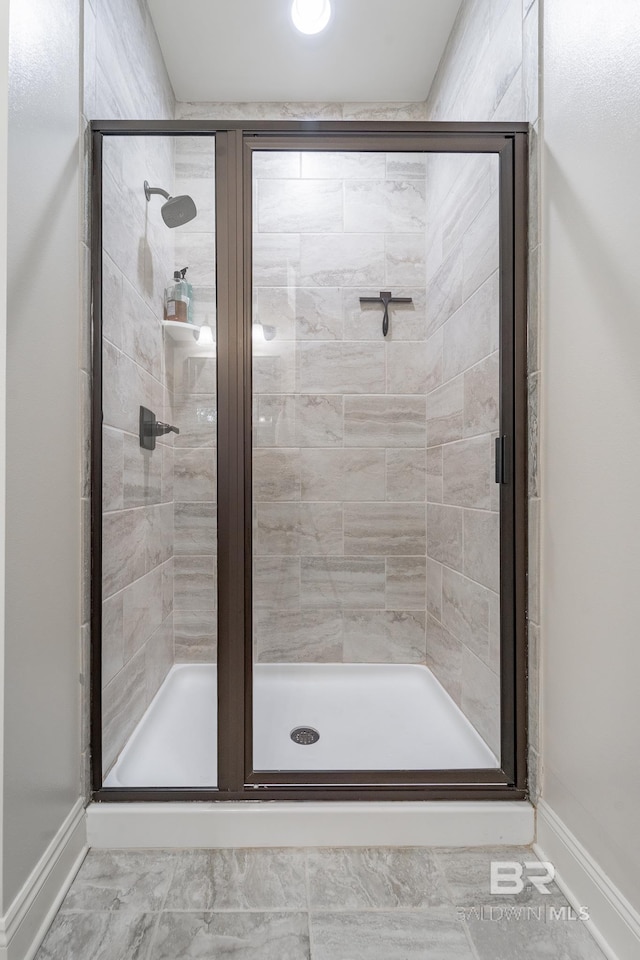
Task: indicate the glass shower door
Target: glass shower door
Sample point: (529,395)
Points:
(376,407)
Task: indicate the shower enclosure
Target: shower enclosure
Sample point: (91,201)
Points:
(309,491)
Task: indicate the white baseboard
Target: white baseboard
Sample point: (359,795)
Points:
(614,923)
(309,824)
(27,920)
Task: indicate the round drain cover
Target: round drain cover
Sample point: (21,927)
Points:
(305,735)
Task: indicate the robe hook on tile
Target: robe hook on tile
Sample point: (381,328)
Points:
(385,298)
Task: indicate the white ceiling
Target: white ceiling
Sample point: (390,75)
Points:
(237,50)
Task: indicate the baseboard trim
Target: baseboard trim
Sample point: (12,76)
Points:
(614,923)
(309,824)
(27,920)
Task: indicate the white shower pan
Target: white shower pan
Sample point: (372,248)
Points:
(369,717)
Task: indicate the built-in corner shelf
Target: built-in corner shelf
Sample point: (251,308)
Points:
(178,330)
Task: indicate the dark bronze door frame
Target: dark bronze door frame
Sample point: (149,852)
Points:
(235,143)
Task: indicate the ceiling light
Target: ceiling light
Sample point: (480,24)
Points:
(310,16)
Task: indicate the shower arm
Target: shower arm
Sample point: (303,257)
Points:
(149,191)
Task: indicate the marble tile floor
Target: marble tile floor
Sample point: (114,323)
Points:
(318,904)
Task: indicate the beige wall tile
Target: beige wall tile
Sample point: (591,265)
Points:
(384,529)
(482,397)
(481,699)
(378,636)
(444,658)
(444,541)
(471,333)
(342,582)
(445,408)
(465,612)
(481,533)
(391,421)
(466,472)
(276,474)
(405,583)
(406,475)
(195,633)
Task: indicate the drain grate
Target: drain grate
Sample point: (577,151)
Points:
(305,735)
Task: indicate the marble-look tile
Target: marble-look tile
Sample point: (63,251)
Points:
(197,419)
(533,684)
(482,397)
(167,588)
(385,529)
(299,206)
(342,582)
(276,583)
(157,532)
(529,939)
(471,333)
(112,637)
(195,528)
(274,421)
(405,583)
(434,474)
(202,191)
(125,387)
(465,611)
(363,321)
(194,585)
(319,420)
(123,703)
(260,110)
(274,371)
(406,166)
(123,549)
(275,164)
(406,368)
(238,879)
(381,878)
(299,529)
(195,634)
(384,421)
(384,206)
(345,368)
(481,533)
(276,474)
(112,281)
(197,251)
(158,658)
(343,165)
(244,936)
(404,259)
(194,158)
(341,260)
(398,110)
(195,374)
(298,636)
(468,875)
(466,472)
(434,588)
(397,935)
(494,633)
(102,936)
(406,475)
(194,474)
(276,256)
(481,698)
(444,658)
(141,332)
(445,413)
(142,477)
(444,291)
(318,313)
(379,636)
(167,472)
(112,470)
(444,540)
(531,63)
(342,474)
(142,610)
(480,248)
(434,360)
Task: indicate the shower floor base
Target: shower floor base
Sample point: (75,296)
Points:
(369,717)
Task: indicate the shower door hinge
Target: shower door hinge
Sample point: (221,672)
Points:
(501,460)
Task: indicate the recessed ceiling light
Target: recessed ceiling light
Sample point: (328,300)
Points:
(310,16)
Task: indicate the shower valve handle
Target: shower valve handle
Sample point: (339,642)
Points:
(161,428)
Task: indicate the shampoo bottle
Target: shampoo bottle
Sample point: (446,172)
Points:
(176,299)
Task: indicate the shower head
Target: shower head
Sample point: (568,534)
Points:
(177,210)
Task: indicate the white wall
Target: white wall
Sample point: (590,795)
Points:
(42,618)
(4,102)
(591,429)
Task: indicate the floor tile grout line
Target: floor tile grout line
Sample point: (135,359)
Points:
(174,857)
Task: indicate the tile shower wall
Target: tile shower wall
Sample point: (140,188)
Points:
(138,511)
(125,78)
(195,412)
(490,71)
(340,412)
(463,520)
